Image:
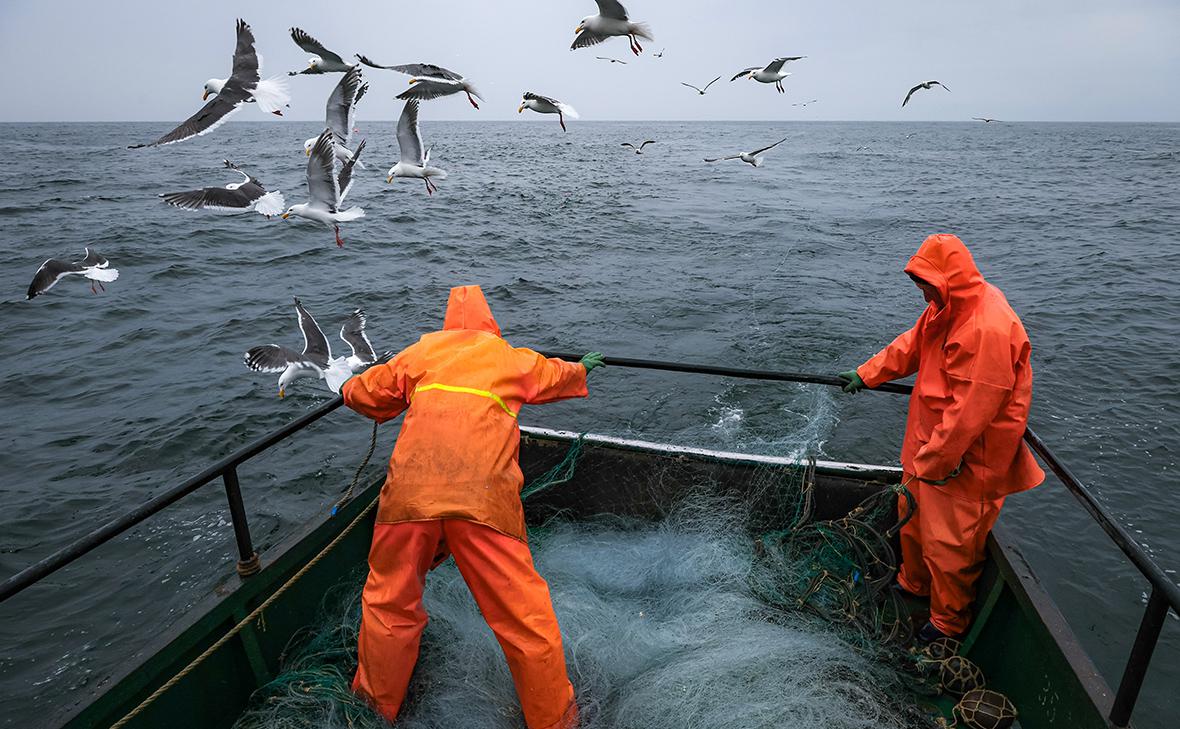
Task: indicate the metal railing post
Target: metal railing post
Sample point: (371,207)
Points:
(1137,662)
(248,562)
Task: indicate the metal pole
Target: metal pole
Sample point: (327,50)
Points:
(248,562)
(1140,658)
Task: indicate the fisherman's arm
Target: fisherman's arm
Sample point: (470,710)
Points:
(550,380)
(379,392)
(899,358)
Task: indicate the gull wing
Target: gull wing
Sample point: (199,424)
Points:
(744,72)
(694,88)
(710,84)
(313,46)
(430,88)
(611,9)
(415,69)
(722,159)
(586,39)
(353,333)
(49,274)
(321,172)
(911,93)
(245,71)
(94,259)
(340,109)
(649,141)
(777,64)
(212,198)
(409,140)
(315,345)
(344,180)
(772,146)
(272,358)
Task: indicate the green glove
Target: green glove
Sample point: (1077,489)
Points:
(855,384)
(592,360)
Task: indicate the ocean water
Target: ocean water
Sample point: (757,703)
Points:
(579,244)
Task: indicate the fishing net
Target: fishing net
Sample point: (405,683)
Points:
(738,608)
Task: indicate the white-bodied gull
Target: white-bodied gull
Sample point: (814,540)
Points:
(236,197)
(327,189)
(927,85)
(243,85)
(639,149)
(771,73)
(413,161)
(92,266)
(611,20)
(429,81)
(612,60)
(546,105)
(322,60)
(751,158)
(339,113)
(316,359)
(701,91)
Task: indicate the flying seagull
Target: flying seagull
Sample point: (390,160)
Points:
(243,85)
(925,85)
(339,113)
(805,103)
(701,91)
(322,60)
(612,60)
(660,54)
(611,20)
(236,197)
(93,266)
(328,189)
(639,149)
(772,73)
(429,81)
(751,158)
(413,161)
(316,358)
(984,119)
(546,105)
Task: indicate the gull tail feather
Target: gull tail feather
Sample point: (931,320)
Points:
(272,203)
(271,94)
(568,110)
(435,172)
(642,30)
(758,161)
(337,374)
(353,213)
(101,274)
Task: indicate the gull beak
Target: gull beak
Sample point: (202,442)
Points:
(204,96)
(520,109)
(285,216)
(307,152)
(281,393)
(578,29)
(415,80)
(389,179)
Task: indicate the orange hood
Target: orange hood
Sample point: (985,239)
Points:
(943,260)
(468,309)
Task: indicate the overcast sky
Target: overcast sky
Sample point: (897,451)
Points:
(1119,60)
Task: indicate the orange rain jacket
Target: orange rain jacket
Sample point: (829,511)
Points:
(456,455)
(971,399)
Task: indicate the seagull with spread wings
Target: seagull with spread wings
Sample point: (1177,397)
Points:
(752,158)
(927,85)
(612,60)
(92,266)
(547,105)
(244,85)
(413,161)
(611,20)
(984,119)
(236,197)
(701,91)
(328,189)
(771,73)
(429,81)
(322,60)
(316,359)
(639,149)
(339,113)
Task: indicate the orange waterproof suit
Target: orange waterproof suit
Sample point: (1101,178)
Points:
(969,410)
(454,486)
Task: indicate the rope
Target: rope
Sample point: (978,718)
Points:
(560,473)
(357,476)
(249,618)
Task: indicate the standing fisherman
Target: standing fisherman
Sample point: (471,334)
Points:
(454,488)
(963,450)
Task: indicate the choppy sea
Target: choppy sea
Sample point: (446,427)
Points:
(579,244)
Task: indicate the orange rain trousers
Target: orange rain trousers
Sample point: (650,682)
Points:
(512,597)
(942,551)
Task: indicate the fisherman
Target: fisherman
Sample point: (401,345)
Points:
(453,488)
(963,450)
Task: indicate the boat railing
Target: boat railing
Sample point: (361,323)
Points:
(1165,594)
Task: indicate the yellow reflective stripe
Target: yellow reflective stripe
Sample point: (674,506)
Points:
(467,390)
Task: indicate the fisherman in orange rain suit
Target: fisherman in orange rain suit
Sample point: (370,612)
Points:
(963,450)
(453,486)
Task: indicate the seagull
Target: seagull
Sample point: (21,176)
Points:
(243,85)
(925,85)
(316,358)
(805,103)
(546,105)
(660,54)
(983,119)
(322,60)
(413,161)
(773,73)
(236,197)
(751,158)
(429,81)
(327,189)
(612,60)
(639,149)
(340,112)
(611,20)
(93,266)
(701,91)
